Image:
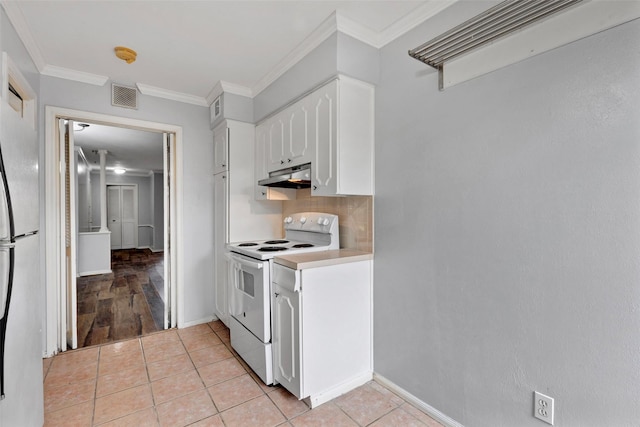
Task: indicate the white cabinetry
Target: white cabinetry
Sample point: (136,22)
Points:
(261,171)
(333,129)
(220,149)
(221,232)
(288,139)
(237,215)
(322,329)
(343,131)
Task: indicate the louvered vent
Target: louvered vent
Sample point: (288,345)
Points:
(124,96)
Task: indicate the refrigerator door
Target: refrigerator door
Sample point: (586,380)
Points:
(5,275)
(5,218)
(19,145)
(23,345)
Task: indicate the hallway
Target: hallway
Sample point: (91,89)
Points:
(126,303)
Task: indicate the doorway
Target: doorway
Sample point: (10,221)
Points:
(60,297)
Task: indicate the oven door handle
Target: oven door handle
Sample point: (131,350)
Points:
(250,264)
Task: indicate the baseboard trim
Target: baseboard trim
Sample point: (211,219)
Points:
(196,322)
(157,250)
(93,273)
(339,390)
(424,407)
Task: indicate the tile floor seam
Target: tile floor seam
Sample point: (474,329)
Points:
(279,409)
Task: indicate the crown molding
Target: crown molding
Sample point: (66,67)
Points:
(412,20)
(78,76)
(227,87)
(357,31)
(172,95)
(16,18)
(320,34)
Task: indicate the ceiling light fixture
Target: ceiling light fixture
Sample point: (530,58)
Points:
(82,126)
(126,54)
(119,171)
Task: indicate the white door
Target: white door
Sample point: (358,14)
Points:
(122,216)
(286,339)
(221,232)
(69,226)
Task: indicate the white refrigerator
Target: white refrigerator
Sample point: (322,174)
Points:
(21,293)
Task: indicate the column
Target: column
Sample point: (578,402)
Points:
(103,191)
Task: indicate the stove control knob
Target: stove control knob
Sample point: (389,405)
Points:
(320,219)
(288,220)
(325,221)
(303,220)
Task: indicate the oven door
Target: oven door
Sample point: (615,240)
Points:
(249,302)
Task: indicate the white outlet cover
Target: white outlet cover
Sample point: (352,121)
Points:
(543,407)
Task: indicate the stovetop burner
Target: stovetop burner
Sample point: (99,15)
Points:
(303,245)
(272,249)
(275,242)
(244,245)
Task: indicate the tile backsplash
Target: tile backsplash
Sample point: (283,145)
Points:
(355,214)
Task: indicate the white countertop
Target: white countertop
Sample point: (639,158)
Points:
(322,258)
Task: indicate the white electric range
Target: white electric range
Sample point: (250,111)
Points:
(250,265)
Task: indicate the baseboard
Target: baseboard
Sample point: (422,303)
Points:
(196,322)
(443,419)
(157,250)
(93,273)
(144,247)
(339,390)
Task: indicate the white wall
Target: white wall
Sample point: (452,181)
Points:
(197,164)
(508,232)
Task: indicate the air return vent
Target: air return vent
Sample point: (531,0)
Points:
(124,96)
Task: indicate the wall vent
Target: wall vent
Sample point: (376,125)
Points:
(124,96)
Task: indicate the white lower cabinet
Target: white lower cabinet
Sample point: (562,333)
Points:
(322,329)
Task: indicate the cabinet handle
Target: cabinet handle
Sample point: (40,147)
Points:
(276,294)
(224,166)
(289,160)
(264,193)
(281,162)
(315,187)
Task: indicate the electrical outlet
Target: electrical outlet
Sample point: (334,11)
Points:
(543,407)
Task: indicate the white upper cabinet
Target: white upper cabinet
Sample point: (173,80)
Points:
(288,138)
(220,149)
(333,129)
(343,132)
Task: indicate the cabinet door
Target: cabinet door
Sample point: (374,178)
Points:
(221,236)
(275,143)
(286,339)
(260,166)
(297,137)
(220,149)
(324,106)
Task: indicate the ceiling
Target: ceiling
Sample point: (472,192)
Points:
(186,49)
(136,151)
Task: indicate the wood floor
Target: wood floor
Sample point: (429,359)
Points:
(125,303)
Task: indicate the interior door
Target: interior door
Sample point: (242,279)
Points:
(122,216)
(128,217)
(113,216)
(70,230)
(170,254)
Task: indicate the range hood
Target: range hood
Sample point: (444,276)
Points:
(293,177)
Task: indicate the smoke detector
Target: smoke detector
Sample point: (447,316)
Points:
(126,54)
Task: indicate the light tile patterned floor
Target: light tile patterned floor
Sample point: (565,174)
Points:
(192,377)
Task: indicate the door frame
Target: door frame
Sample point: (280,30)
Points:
(135,196)
(55,336)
